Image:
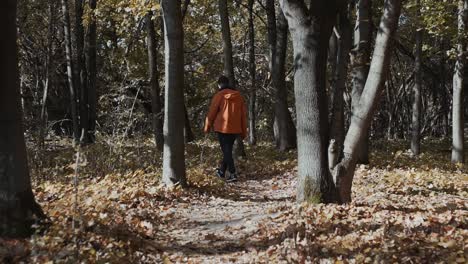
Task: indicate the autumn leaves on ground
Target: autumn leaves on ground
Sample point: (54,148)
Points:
(404,210)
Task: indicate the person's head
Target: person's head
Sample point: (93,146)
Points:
(223,82)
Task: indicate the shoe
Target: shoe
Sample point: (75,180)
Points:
(219,173)
(232,177)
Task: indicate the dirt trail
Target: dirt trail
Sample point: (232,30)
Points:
(231,228)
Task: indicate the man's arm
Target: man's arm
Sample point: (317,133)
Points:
(212,112)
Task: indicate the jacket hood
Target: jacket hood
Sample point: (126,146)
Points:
(229,94)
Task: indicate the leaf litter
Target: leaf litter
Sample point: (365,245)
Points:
(404,210)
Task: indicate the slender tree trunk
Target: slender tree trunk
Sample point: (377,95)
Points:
(71,78)
(91,101)
(189,136)
(17,203)
(50,33)
(416,118)
(458,154)
(360,60)
(360,121)
(311,31)
(154,82)
(227,43)
(239,149)
(284,128)
(81,80)
(252,71)
(342,60)
(174,146)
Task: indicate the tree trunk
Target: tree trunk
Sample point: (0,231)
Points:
(339,84)
(458,155)
(416,117)
(311,31)
(252,71)
(227,43)
(284,128)
(17,203)
(70,72)
(91,103)
(360,121)
(80,70)
(151,43)
(174,146)
(189,136)
(360,60)
(50,34)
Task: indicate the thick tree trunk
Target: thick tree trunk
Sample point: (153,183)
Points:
(342,59)
(284,128)
(227,43)
(17,203)
(360,121)
(458,155)
(311,31)
(360,60)
(154,82)
(416,117)
(70,71)
(91,103)
(174,146)
(252,71)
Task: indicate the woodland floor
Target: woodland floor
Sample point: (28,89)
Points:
(404,210)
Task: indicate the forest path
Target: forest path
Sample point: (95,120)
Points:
(227,227)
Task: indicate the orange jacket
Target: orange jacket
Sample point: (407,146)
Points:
(228,113)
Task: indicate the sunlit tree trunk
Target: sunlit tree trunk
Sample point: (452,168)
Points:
(343,173)
(174,146)
(457,103)
(311,31)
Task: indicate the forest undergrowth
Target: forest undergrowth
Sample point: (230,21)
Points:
(404,209)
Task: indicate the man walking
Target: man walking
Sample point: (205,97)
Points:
(228,117)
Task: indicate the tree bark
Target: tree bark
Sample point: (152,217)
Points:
(49,60)
(339,84)
(70,71)
(252,71)
(91,102)
(311,31)
(227,43)
(283,127)
(174,146)
(360,61)
(416,117)
(151,43)
(17,203)
(81,80)
(458,154)
(360,121)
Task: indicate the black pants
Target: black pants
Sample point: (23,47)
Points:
(227,143)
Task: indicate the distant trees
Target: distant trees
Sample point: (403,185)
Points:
(17,203)
(416,116)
